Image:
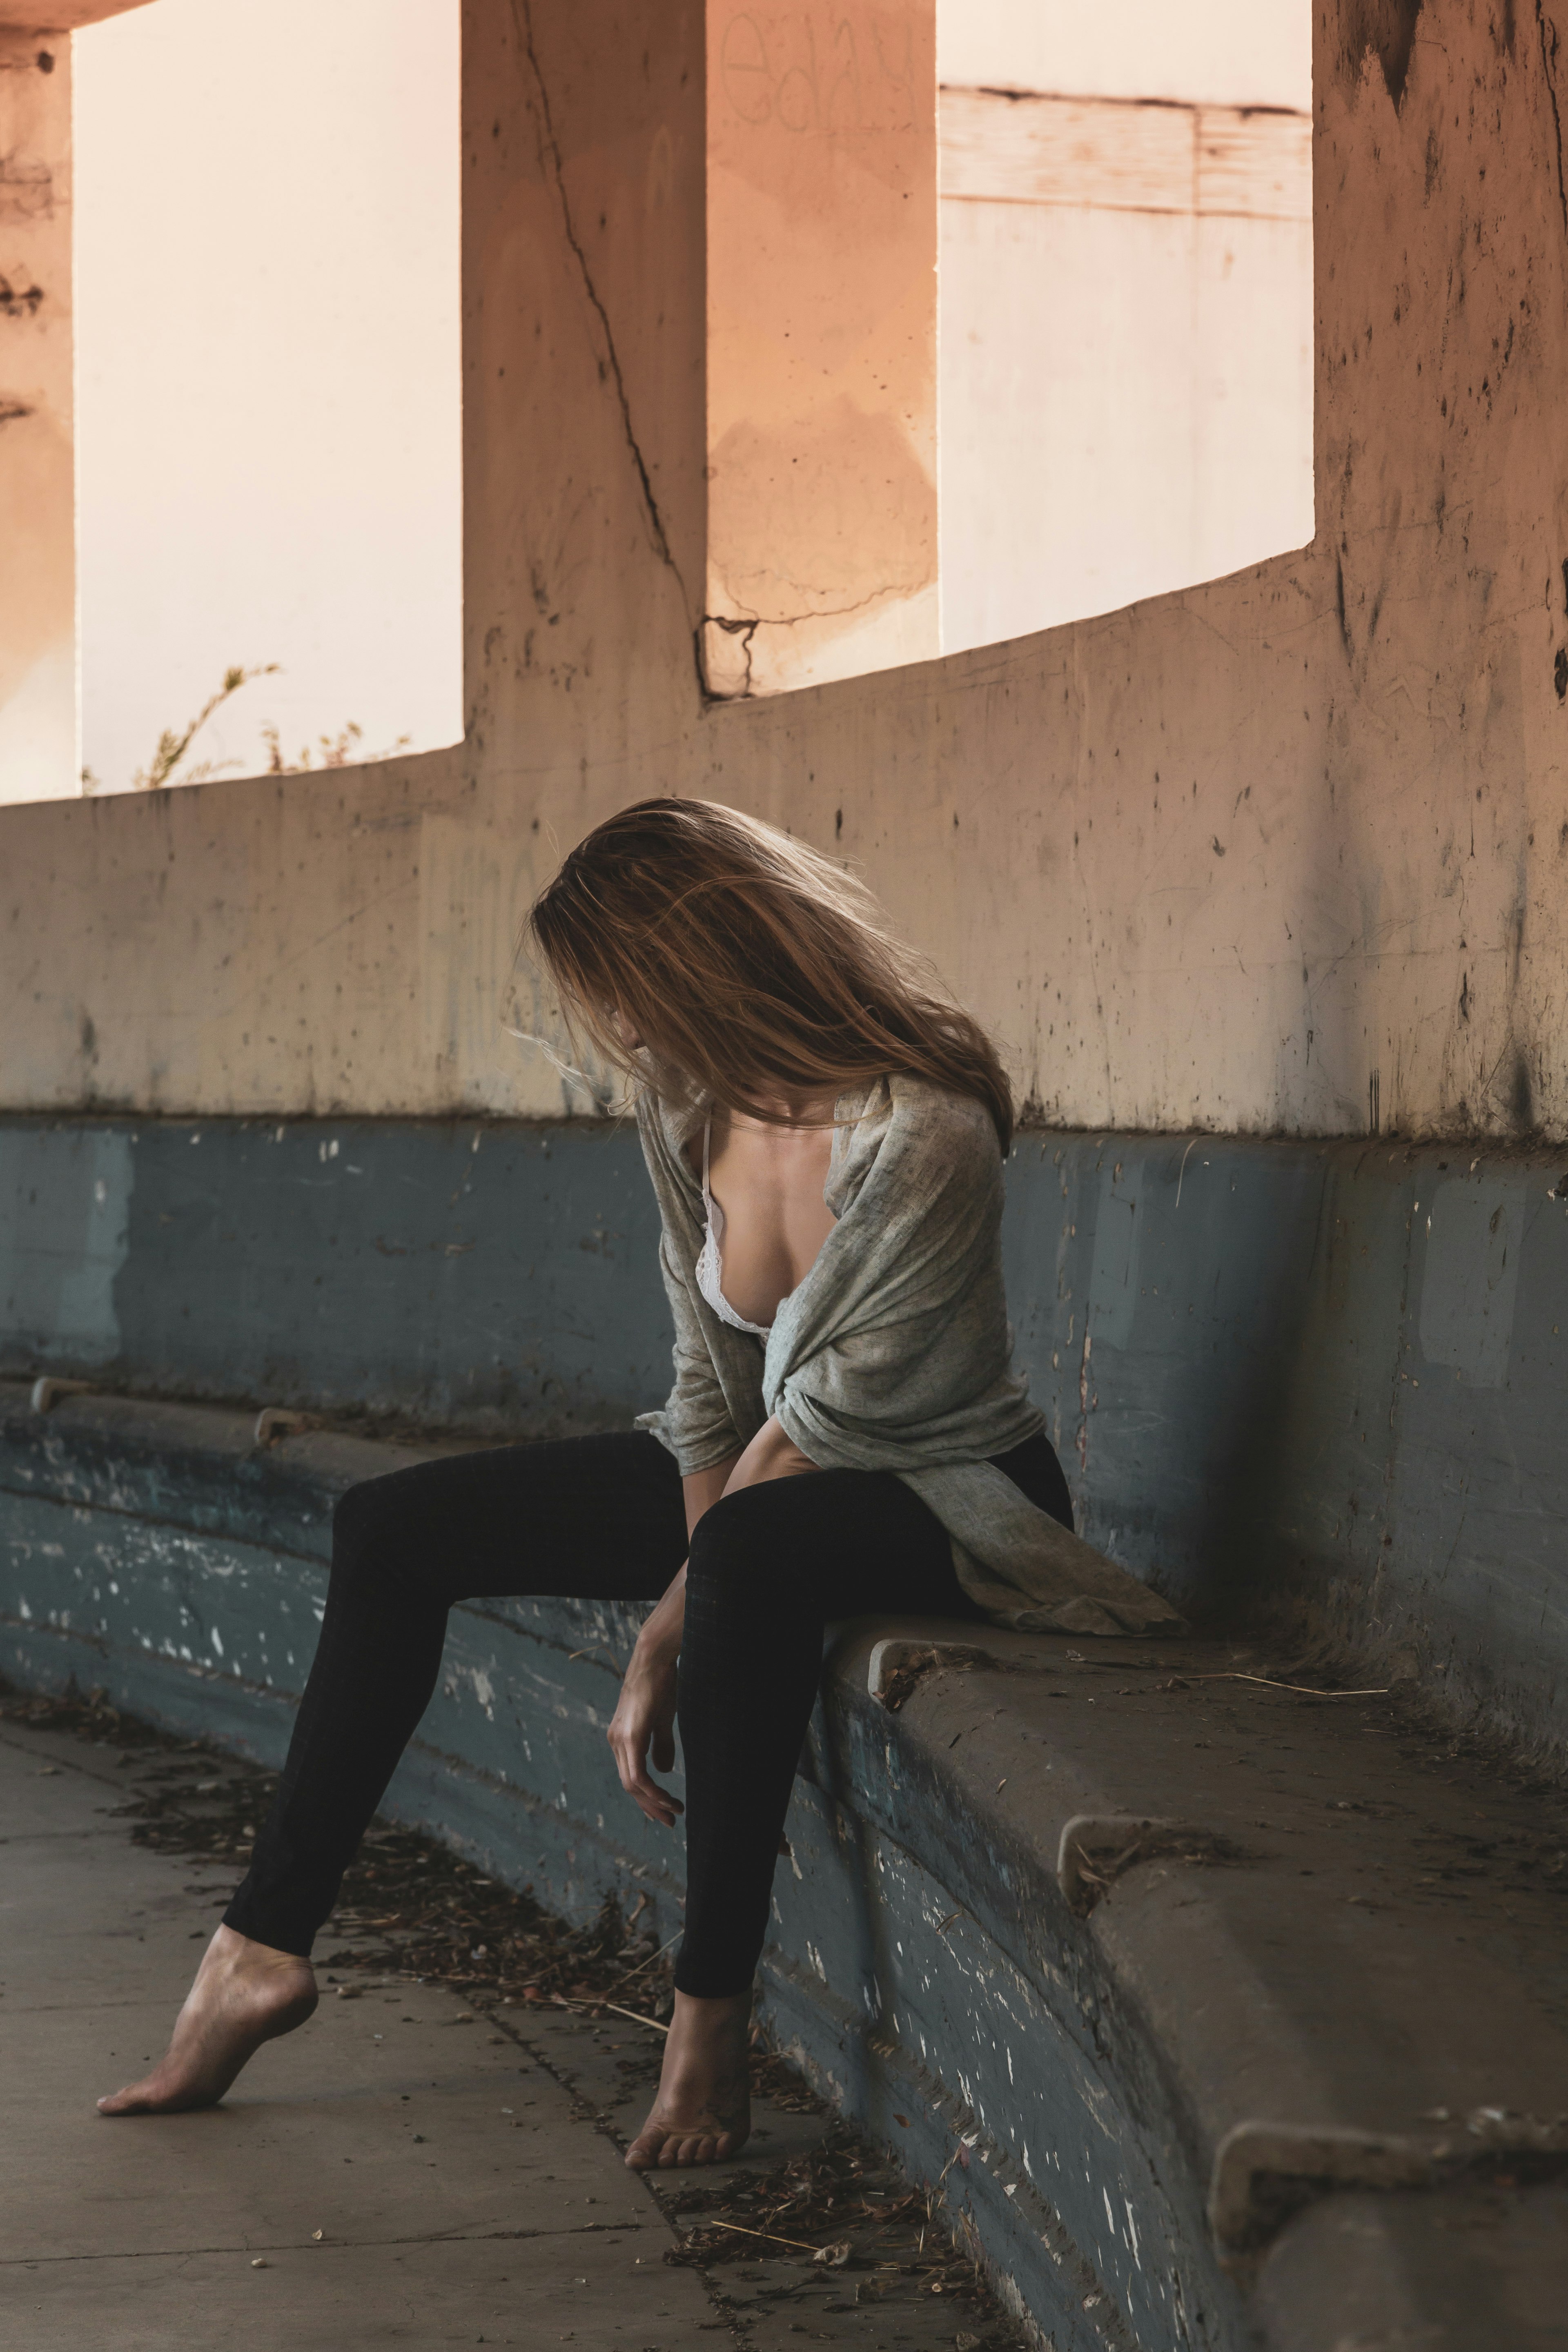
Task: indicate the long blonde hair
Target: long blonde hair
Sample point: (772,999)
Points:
(747,965)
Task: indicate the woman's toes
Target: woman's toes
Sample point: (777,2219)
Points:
(645,2151)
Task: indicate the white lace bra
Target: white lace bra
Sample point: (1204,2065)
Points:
(710,1264)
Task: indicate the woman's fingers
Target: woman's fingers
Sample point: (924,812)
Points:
(656,1802)
(645,1716)
(629,1749)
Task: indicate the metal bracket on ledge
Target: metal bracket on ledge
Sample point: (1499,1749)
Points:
(1096,1848)
(896,1666)
(274,1421)
(1264,2172)
(48,1392)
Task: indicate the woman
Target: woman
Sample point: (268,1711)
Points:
(825,1131)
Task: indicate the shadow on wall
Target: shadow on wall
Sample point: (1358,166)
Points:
(1169,1345)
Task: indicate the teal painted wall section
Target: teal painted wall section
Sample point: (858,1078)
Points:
(1324,1381)
(489,1278)
(65,1209)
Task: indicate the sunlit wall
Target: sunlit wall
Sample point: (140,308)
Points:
(1125,332)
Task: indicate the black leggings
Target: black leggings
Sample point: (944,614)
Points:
(603,1518)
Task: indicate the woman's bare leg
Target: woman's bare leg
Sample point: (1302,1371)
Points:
(703,2111)
(245,1994)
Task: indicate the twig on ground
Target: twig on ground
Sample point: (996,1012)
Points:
(648,1962)
(799,2244)
(1307,1690)
(636,2017)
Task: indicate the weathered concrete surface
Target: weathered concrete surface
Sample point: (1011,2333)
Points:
(1352,1927)
(1320,1385)
(494,1278)
(520,2239)
(1126,344)
(37,514)
(822,342)
(62,16)
(377,2125)
(1217,860)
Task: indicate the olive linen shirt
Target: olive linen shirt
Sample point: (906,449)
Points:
(894,1352)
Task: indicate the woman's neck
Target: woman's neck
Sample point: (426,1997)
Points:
(793,1111)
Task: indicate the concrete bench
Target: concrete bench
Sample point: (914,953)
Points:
(1227,2012)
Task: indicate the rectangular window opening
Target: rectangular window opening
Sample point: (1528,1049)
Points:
(265,303)
(1010,320)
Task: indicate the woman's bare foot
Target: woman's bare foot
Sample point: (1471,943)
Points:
(703,2111)
(245,1994)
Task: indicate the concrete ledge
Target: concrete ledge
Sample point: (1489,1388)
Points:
(1164,1977)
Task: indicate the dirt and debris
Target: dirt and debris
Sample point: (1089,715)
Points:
(857,2228)
(833,2228)
(407,1904)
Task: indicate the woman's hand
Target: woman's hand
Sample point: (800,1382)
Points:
(644,1719)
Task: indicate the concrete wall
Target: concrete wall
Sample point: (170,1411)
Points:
(822,342)
(37,563)
(1321,1387)
(1226,858)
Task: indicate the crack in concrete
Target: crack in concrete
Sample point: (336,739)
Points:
(1548,61)
(584,2111)
(799,620)
(746,630)
(333,2245)
(551,158)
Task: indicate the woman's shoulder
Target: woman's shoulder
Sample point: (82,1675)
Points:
(670,1121)
(664,1130)
(941,1115)
(912,1129)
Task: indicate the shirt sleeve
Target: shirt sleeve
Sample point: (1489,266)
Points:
(696,1423)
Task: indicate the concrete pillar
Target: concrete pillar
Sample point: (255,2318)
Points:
(38,527)
(38,756)
(821,382)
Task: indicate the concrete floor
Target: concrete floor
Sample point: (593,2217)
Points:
(401,2172)
(389,2175)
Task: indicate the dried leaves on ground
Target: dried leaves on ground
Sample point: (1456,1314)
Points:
(411,1907)
(407,1904)
(845,2205)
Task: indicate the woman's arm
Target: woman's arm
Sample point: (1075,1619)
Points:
(645,1717)
(770,1455)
